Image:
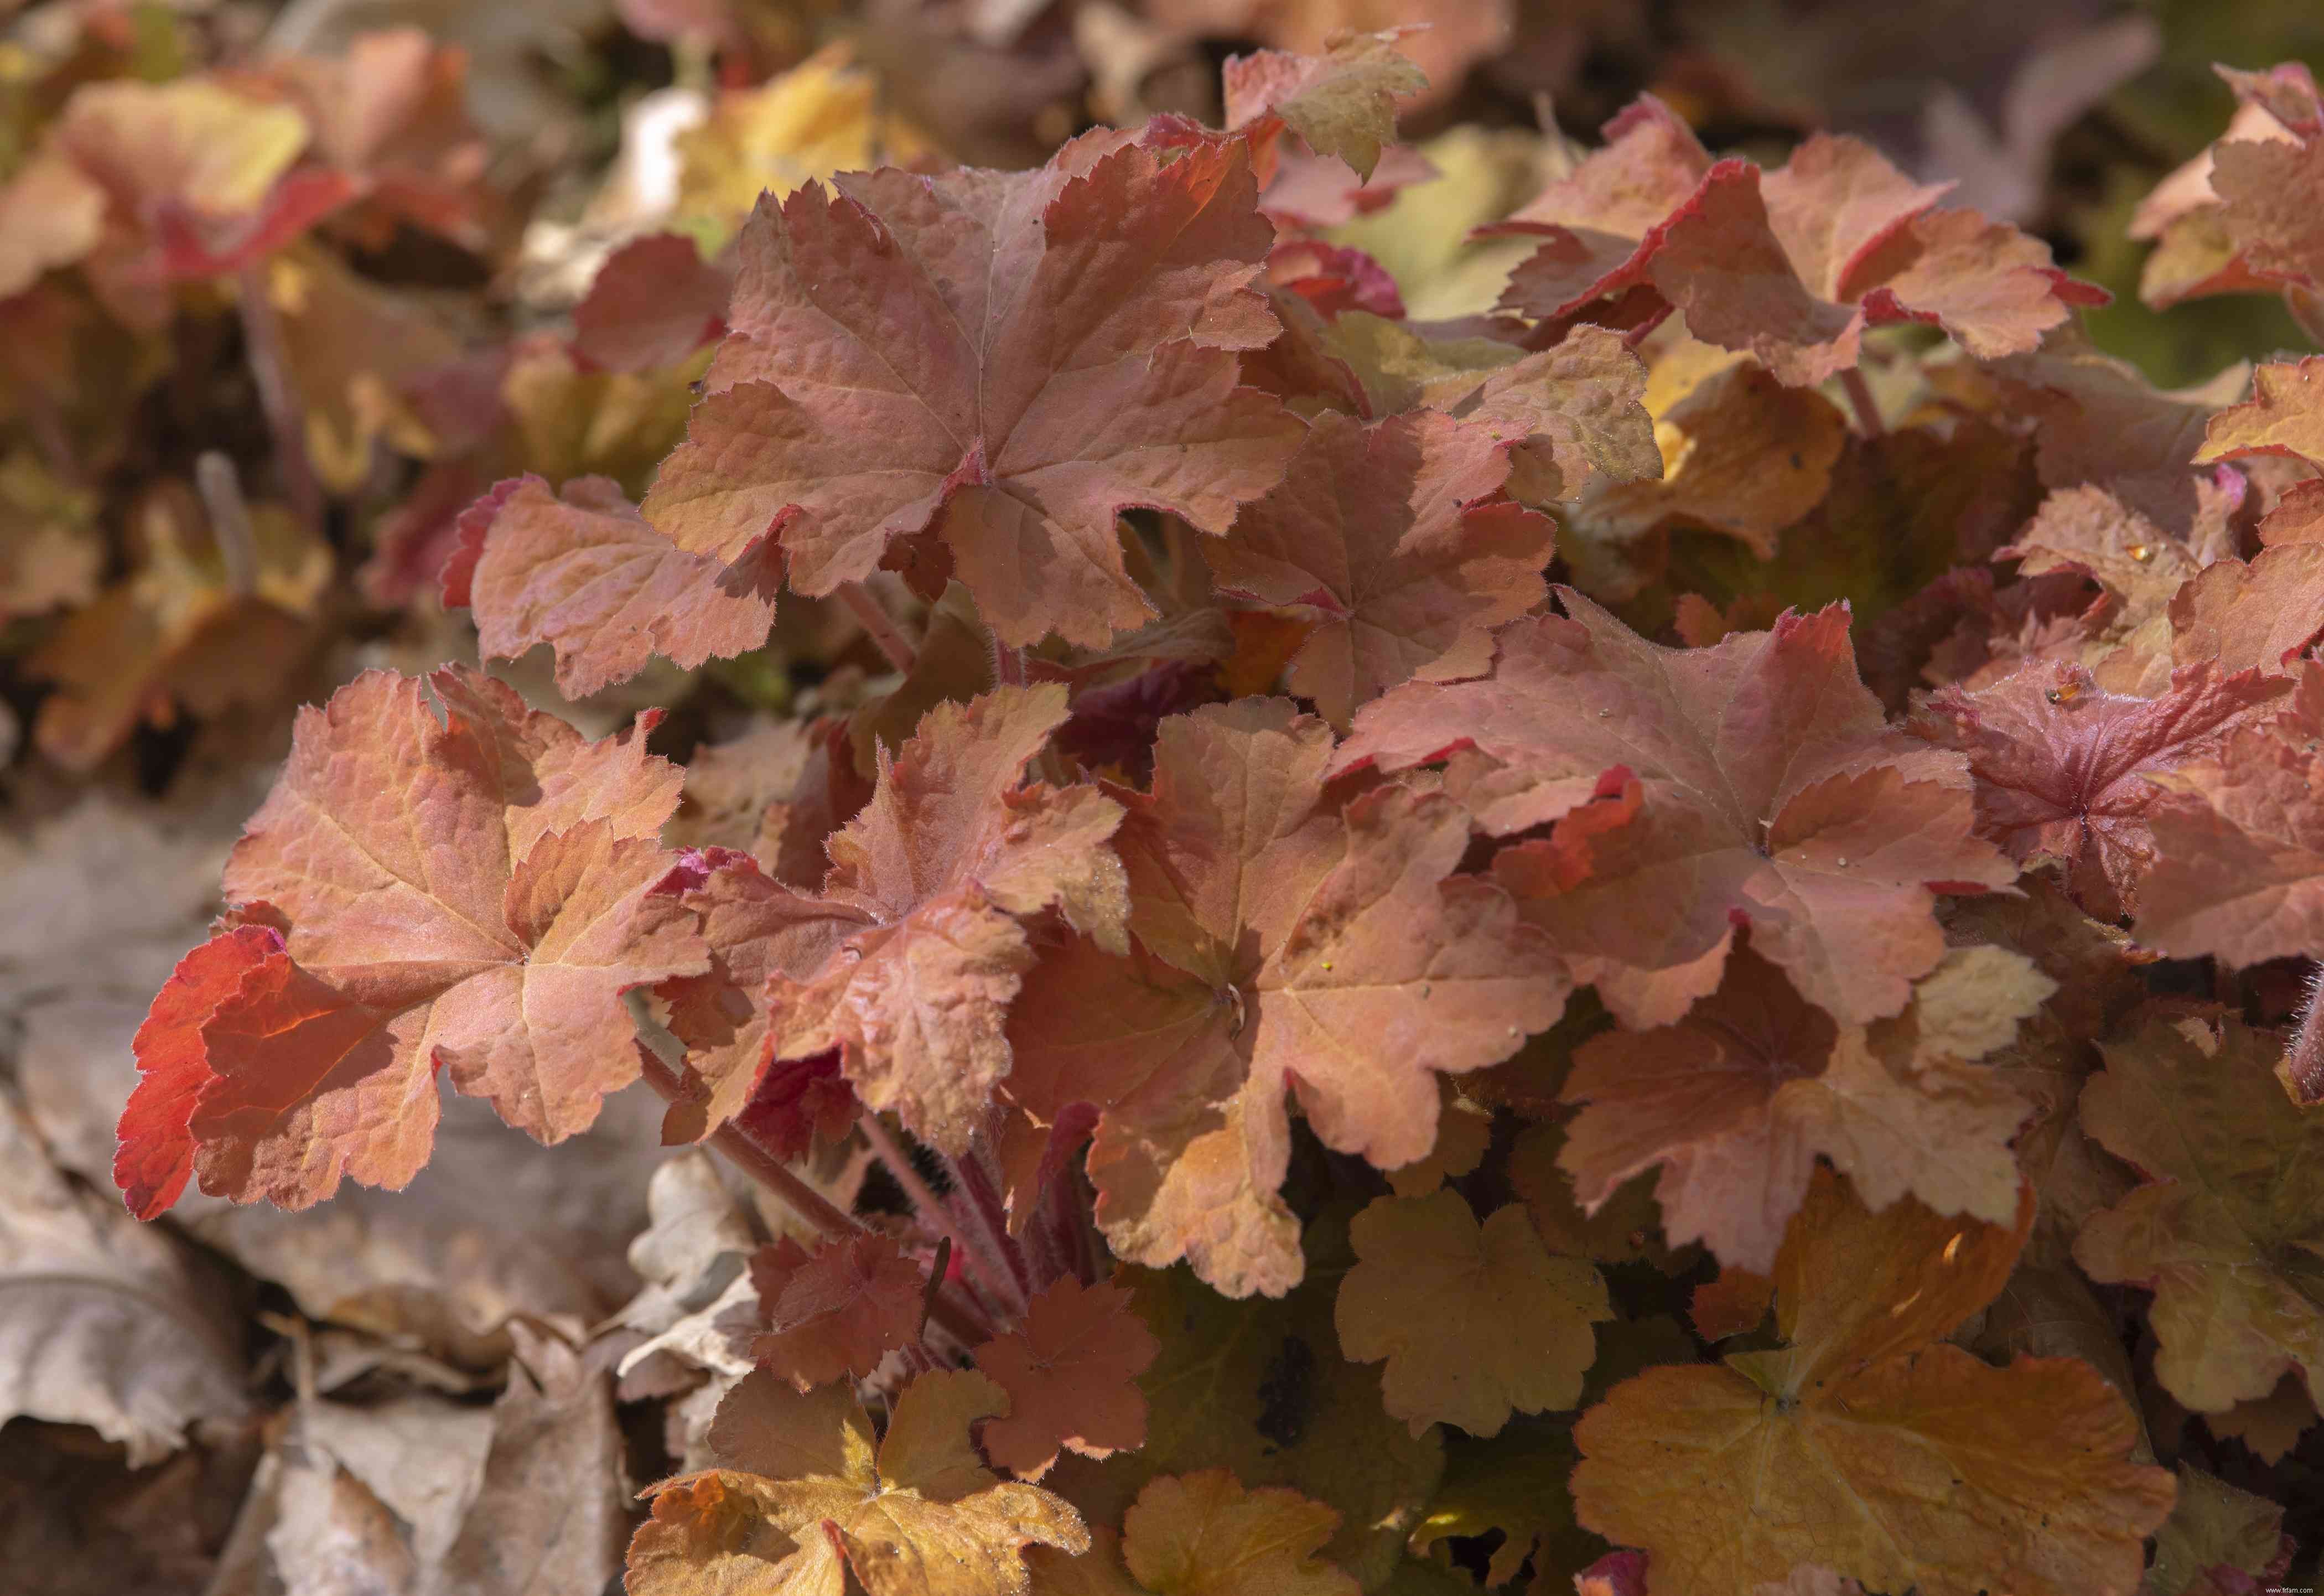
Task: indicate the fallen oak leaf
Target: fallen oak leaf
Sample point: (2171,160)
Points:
(802,1498)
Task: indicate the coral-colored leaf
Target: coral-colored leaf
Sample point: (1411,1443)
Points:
(391,117)
(1507,1326)
(653,303)
(469,895)
(1296,944)
(2062,764)
(916,354)
(2227,1229)
(2239,844)
(1605,219)
(1398,534)
(801,1499)
(1736,1100)
(1755,782)
(1794,265)
(836,1311)
(757,930)
(1204,1534)
(1866,1445)
(936,873)
(1071,1372)
(580,570)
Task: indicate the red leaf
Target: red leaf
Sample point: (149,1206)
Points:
(835,1312)
(1071,1373)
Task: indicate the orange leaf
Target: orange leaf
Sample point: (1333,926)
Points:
(1867,1444)
(469,895)
(1202,1534)
(801,1499)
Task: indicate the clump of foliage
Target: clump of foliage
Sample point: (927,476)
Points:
(1645,939)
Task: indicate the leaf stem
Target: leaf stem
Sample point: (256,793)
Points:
(220,486)
(1860,399)
(989,1267)
(973,1178)
(278,393)
(742,1150)
(1007,665)
(874,616)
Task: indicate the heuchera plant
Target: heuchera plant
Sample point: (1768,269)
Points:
(1324,989)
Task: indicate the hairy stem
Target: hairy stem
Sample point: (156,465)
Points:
(1008,666)
(873,614)
(278,393)
(1860,399)
(2302,1068)
(976,1182)
(991,1269)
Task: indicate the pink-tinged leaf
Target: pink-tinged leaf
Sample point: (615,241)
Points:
(935,874)
(583,572)
(1002,361)
(1793,265)
(1341,103)
(1754,783)
(2061,765)
(2238,869)
(156,1152)
(1606,219)
(1286,943)
(756,929)
(1398,533)
(466,894)
(2284,416)
(653,303)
